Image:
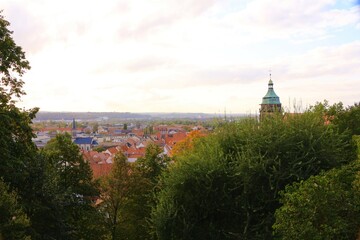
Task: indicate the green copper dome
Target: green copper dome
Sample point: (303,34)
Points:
(271,97)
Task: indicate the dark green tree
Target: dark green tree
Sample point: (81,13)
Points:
(65,210)
(146,172)
(127,193)
(330,111)
(349,119)
(16,147)
(346,119)
(228,186)
(17,150)
(14,224)
(13,64)
(115,191)
(51,202)
(326,206)
(152,164)
(74,173)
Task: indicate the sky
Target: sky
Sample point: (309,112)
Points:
(205,56)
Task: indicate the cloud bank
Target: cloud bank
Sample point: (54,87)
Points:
(186,56)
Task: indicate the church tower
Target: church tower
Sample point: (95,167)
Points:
(73,129)
(270,102)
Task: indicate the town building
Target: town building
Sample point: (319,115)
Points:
(86,143)
(270,102)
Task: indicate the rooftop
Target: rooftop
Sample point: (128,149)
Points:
(271,97)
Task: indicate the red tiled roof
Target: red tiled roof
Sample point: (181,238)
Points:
(174,138)
(133,150)
(124,148)
(113,150)
(100,170)
(131,141)
(94,157)
(138,132)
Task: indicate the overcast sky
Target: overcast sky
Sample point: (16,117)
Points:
(186,55)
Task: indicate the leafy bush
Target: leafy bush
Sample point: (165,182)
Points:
(228,186)
(326,206)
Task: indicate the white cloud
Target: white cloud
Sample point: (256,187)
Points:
(295,20)
(322,73)
(191,55)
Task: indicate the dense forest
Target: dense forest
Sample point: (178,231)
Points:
(288,176)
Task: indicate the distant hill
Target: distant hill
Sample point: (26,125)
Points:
(98,116)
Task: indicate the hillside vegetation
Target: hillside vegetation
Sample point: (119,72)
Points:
(228,186)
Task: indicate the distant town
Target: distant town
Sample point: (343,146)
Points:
(100,136)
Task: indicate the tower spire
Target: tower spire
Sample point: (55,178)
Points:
(73,130)
(270,102)
(270,84)
(270,73)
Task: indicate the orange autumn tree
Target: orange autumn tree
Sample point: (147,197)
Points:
(187,144)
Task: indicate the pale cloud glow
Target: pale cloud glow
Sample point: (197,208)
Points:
(185,56)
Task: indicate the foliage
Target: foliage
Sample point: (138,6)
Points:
(95,127)
(146,171)
(326,206)
(12,64)
(16,147)
(152,165)
(187,144)
(197,199)
(228,186)
(349,119)
(149,130)
(53,187)
(116,188)
(56,213)
(127,193)
(324,108)
(61,206)
(356,139)
(99,149)
(344,118)
(74,173)
(14,224)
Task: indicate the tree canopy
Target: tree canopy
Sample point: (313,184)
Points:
(116,189)
(69,193)
(326,206)
(14,223)
(16,147)
(228,186)
(127,193)
(13,64)
(345,118)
